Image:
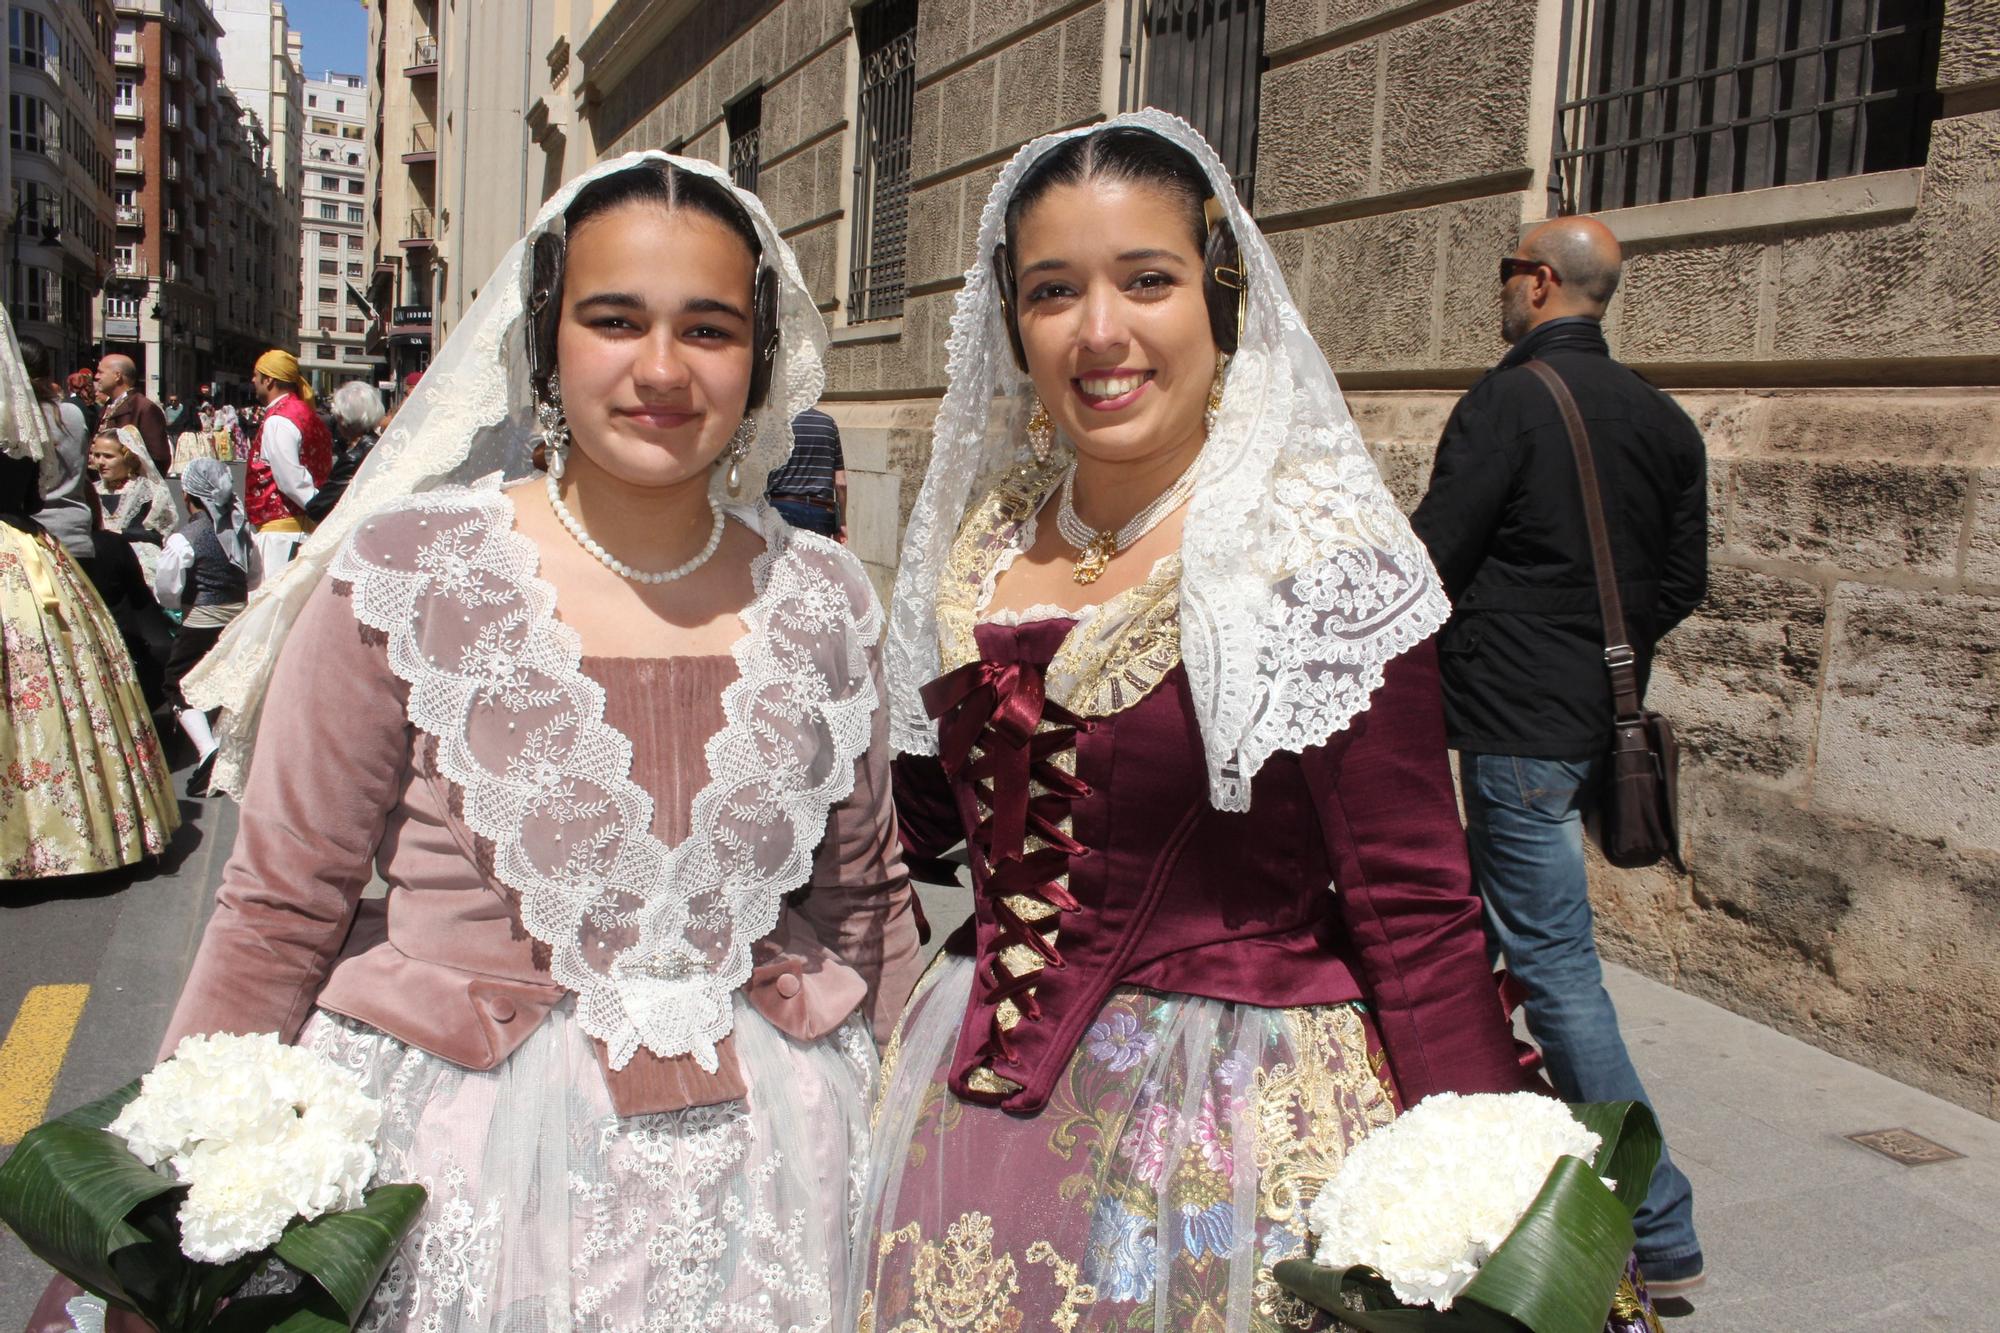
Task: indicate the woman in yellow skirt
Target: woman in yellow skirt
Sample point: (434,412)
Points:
(84,786)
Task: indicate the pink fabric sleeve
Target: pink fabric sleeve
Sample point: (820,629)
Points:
(1405,890)
(332,755)
(860,904)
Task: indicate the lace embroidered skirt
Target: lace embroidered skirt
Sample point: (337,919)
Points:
(548,1211)
(1172,1166)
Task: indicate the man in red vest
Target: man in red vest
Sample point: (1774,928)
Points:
(289,461)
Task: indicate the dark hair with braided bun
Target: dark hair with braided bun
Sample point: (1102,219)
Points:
(1131,154)
(671,187)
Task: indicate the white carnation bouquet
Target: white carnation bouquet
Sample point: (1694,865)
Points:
(260,1132)
(1481,1212)
(229,1186)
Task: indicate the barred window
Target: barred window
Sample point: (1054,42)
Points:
(887,33)
(1203,60)
(1678,99)
(746,118)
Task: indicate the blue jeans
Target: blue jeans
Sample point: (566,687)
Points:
(1524,828)
(810,517)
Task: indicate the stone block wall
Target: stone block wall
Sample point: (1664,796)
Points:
(1839,346)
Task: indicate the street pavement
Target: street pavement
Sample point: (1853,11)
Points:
(1805,1231)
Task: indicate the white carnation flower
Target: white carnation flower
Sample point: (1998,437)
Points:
(1427,1199)
(259,1131)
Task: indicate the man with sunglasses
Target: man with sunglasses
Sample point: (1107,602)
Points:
(1527,699)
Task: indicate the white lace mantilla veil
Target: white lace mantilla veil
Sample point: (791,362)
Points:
(24,429)
(652,940)
(1301,579)
(470,418)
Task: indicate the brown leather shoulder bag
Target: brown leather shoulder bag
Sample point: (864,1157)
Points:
(1636,821)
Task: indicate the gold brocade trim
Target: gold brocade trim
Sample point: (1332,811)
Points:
(1106,664)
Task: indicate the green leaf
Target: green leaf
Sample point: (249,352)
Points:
(307,1310)
(67,1191)
(346,1252)
(1558,1270)
(1631,1147)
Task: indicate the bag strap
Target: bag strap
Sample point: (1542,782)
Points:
(1619,659)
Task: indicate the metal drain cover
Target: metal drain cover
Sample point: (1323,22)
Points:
(1905,1146)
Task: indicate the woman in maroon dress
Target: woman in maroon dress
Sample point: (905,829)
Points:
(1171,678)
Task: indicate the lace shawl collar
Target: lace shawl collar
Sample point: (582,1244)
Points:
(652,940)
(1107,662)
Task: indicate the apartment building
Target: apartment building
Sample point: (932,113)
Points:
(401,152)
(262,62)
(195,291)
(333,322)
(58,86)
(475,126)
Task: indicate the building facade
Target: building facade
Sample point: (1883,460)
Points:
(474,126)
(400,223)
(58,171)
(200,201)
(1805,191)
(262,62)
(333,324)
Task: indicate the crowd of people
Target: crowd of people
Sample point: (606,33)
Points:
(647,768)
(138,555)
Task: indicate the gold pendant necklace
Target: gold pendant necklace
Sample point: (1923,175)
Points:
(1094,549)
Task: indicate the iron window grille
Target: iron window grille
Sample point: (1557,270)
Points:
(1678,99)
(886,32)
(746,118)
(1203,60)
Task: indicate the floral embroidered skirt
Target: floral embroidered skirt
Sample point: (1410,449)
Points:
(84,786)
(1173,1165)
(549,1211)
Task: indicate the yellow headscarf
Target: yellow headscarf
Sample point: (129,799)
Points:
(284,368)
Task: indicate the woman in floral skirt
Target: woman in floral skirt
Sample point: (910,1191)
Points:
(1161,655)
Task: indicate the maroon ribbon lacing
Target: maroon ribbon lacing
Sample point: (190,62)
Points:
(998,709)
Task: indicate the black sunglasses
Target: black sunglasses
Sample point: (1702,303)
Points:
(1510,268)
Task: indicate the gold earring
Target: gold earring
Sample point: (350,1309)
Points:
(1041,432)
(1215,392)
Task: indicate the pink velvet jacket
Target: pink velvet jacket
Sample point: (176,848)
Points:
(343,785)
(1346,880)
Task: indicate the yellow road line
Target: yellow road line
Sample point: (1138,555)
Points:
(32,1056)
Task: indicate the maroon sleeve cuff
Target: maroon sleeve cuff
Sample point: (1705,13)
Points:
(1405,889)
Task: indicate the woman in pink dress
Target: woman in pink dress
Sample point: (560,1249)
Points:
(611,740)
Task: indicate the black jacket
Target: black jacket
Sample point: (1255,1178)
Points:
(1523,655)
(345,464)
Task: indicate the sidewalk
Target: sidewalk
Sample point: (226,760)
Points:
(1803,1230)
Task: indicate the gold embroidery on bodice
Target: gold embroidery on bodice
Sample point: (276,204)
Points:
(1114,656)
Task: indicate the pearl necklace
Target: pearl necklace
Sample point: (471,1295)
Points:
(619,567)
(1094,549)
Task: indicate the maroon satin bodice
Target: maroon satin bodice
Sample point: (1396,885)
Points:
(1167,893)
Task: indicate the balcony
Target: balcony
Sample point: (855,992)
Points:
(421,230)
(128,57)
(131,166)
(172,170)
(128,111)
(131,215)
(171,222)
(174,67)
(423,144)
(173,116)
(423,58)
(128,266)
